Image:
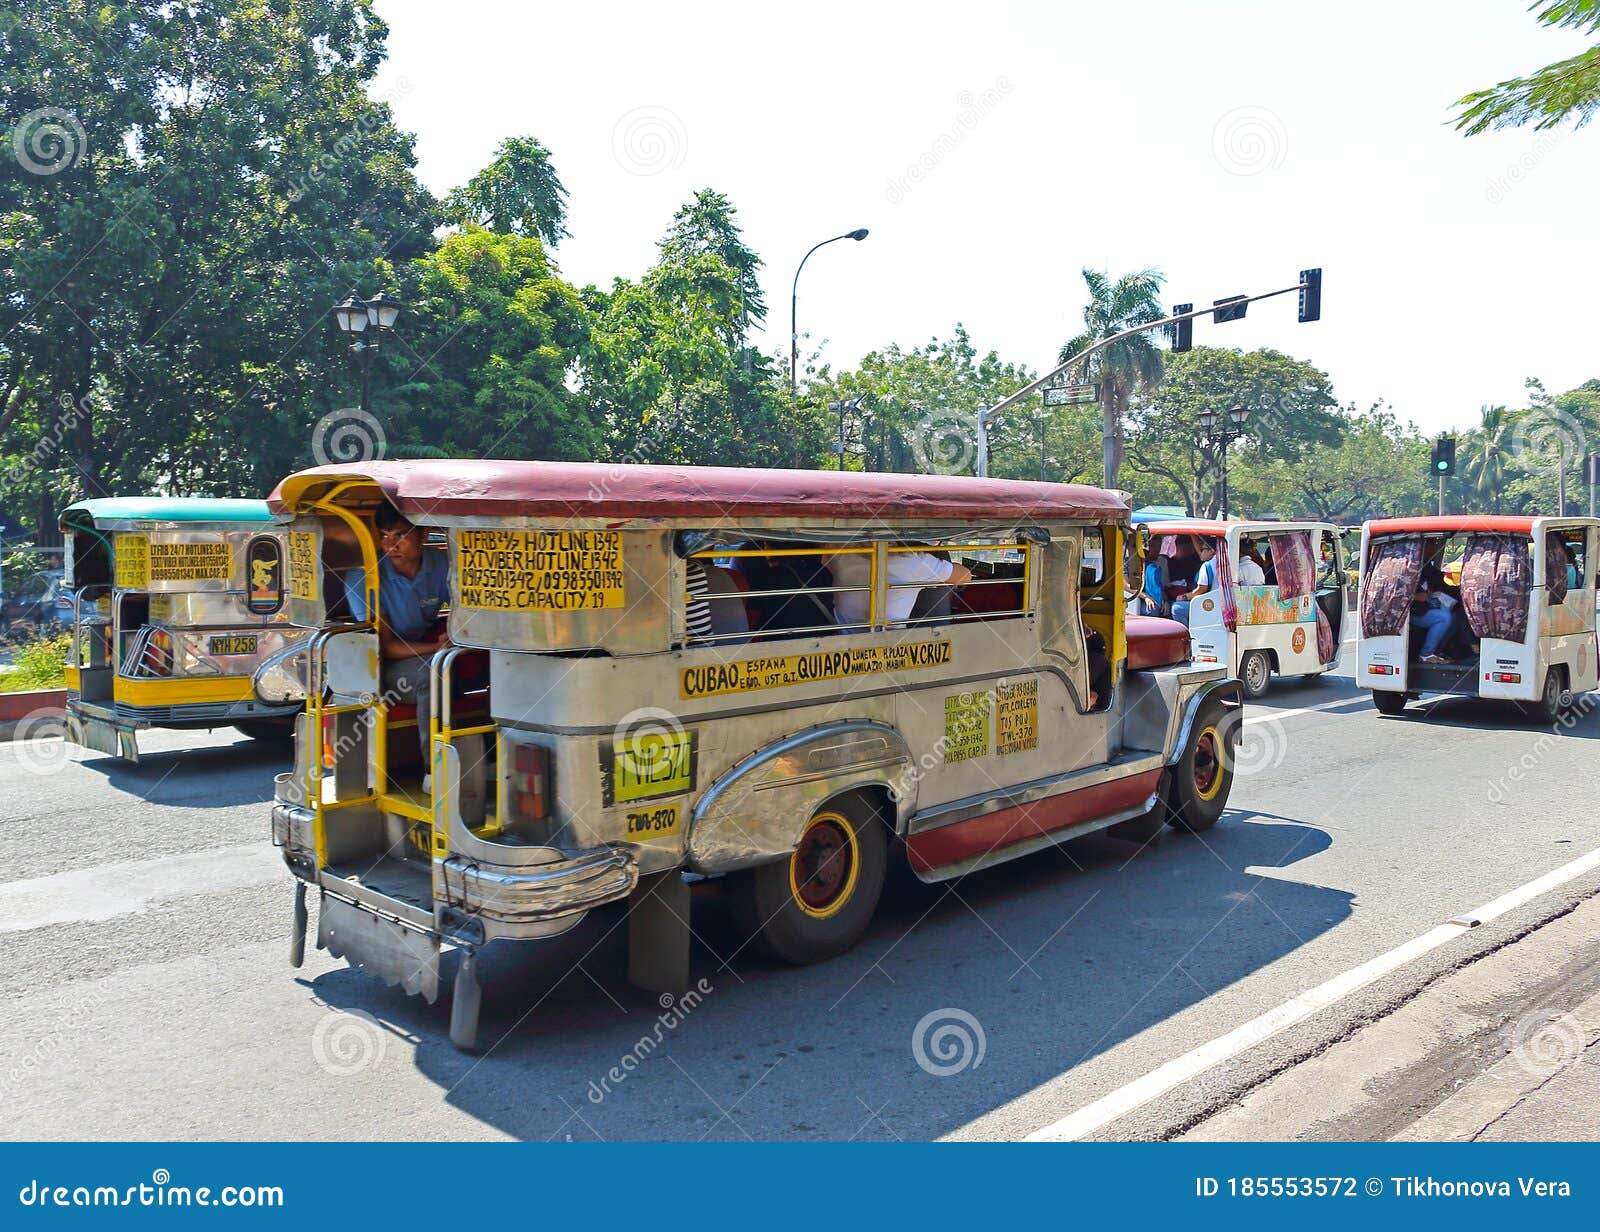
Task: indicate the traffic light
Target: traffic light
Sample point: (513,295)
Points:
(1444,455)
(1229,308)
(1310,295)
(1183,338)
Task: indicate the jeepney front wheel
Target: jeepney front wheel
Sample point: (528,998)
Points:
(817,903)
(1203,776)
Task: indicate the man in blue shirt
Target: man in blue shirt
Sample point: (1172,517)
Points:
(413,587)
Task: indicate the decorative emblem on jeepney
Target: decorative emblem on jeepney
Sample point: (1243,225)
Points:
(1206,605)
(264,573)
(1298,640)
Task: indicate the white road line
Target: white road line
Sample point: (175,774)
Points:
(109,890)
(1270,716)
(1095,1116)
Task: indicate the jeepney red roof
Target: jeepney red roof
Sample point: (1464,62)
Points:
(1191,526)
(601,490)
(1452,523)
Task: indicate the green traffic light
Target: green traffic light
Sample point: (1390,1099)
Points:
(1441,465)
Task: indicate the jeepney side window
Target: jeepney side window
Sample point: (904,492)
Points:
(997,590)
(761,591)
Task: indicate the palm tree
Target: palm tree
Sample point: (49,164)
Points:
(1133,363)
(1488,451)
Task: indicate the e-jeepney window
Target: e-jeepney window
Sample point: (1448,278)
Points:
(762,590)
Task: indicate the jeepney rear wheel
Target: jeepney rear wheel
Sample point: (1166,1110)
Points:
(1388,702)
(1203,776)
(1255,673)
(817,903)
(268,731)
(1555,700)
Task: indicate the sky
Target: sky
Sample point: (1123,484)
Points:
(995,150)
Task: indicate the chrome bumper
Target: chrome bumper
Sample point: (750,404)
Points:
(548,885)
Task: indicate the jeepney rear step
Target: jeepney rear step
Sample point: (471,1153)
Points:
(1457,678)
(377,915)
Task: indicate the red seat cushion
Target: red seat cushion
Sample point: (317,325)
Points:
(1154,641)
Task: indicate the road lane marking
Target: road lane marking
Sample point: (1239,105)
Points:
(1095,1116)
(1269,716)
(90,895)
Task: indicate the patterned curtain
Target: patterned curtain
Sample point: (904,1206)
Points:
(1297,568)
(1325,646)
(1390,585)
(1555,567)
(1230,598)
(1496,579)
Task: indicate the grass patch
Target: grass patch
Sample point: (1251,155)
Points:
(39,664)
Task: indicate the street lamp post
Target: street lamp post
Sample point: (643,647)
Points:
(859,234)
(1210,421)
(355,317)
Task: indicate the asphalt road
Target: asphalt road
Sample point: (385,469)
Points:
(145,922)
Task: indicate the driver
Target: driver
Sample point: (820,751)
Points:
(413,587)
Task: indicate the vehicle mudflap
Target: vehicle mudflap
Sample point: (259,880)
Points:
(101,735)
(658,933)
(380,946)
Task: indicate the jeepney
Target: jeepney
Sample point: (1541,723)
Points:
(176,602)
(1522,590)
(1290,624)
(669,684)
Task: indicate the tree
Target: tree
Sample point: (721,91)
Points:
(1567,89)
(496,330)
(1378,468)
(921,414)
(668,367)
(1486,457)
(1133,364)
(189,190)
(518,192)
(1291,408)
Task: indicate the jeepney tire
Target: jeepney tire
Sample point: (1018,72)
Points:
(268,731)
(1255,673)
(766,900)
(1388,702)
(1147,828)
(1554,700)
(1203,776)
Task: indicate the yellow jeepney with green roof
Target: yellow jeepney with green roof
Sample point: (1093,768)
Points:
(176,602)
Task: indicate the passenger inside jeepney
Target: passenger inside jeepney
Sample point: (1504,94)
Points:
(1252,568)
(1205,578)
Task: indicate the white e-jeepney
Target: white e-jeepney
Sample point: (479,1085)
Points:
(1290,623)
(716,671)
(1524,609)
(176,603)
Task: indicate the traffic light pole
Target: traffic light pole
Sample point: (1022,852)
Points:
(1441,496)
(988,414)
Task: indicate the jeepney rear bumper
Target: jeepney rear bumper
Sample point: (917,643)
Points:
(471,900)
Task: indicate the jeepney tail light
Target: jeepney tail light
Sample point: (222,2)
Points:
(1382,669)
(530,781)
(327,741)
(1509,677)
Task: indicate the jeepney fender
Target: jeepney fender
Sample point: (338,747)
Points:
(755,812)
(1230,693)
(1159,705)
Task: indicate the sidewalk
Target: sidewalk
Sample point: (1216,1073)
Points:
(1506,1048)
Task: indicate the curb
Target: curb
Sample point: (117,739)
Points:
(20,710)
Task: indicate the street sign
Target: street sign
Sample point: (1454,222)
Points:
(1068,395)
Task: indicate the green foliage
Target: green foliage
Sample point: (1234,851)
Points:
(222,179)
(921,413)
(1291,407)
(668,367)
(519,192)
(495,330)
(1131,365)
(39,664)
(1567,89)
(1378,467)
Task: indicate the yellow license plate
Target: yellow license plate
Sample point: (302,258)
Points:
(233,644)
(646,824)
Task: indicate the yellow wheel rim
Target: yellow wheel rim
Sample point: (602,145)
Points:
(825,865)
(1208,767)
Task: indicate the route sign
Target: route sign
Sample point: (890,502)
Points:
(1069,395)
